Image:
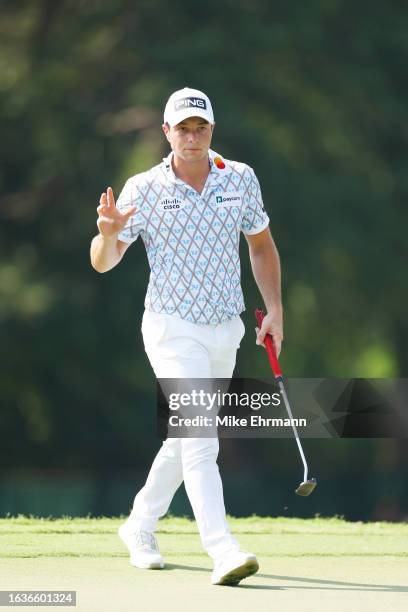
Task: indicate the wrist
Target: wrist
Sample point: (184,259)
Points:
(108,239)
(274,307)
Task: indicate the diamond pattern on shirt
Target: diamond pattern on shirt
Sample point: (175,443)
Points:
(192,240)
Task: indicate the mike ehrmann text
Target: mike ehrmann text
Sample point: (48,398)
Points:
(256,420)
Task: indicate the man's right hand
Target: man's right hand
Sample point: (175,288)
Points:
(110,221)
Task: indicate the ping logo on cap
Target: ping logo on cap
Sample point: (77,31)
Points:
(190,101)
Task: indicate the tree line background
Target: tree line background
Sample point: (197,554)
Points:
(314,97)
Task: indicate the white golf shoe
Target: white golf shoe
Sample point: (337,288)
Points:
(142,546)
(230,570)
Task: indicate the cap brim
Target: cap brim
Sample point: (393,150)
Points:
(190,112)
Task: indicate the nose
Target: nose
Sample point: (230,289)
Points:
(192,136)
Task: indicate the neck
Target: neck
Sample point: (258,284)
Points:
(194,173)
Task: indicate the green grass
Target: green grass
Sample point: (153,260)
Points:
(312,564)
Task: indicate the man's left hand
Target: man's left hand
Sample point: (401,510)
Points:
(271,324)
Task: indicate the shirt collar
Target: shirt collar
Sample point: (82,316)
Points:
(216,174)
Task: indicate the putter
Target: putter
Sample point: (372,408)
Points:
(308,485)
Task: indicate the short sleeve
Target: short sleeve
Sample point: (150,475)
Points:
(255,218)
(130,197)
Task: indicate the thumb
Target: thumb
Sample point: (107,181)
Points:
(261,335)
(259,339)
(130,212)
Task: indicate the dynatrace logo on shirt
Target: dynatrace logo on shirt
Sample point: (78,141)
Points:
(171,204)
(188,102)
(229,198)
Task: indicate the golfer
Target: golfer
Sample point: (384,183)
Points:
(190,211)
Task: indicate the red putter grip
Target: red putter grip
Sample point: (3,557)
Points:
(270,349)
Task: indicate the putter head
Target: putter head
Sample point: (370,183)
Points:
(307,487)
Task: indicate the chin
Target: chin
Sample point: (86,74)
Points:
(194,156)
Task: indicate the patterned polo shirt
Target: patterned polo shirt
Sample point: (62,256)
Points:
(192,239)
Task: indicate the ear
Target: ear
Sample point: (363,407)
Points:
(166,130)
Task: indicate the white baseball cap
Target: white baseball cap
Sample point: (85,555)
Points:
(186,103)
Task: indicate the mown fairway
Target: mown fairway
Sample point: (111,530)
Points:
(305,565)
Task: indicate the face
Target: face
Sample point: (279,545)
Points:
(190,139)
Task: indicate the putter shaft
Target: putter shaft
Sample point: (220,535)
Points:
(295,431)
(307,486)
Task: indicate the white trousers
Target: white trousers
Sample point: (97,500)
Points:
(180,349)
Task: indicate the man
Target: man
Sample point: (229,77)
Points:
(189,211)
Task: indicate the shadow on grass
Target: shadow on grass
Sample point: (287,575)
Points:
(333,585)
(307,583)
(190,568)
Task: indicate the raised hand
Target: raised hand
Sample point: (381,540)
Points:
(110,221)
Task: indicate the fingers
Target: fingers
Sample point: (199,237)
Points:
(261,333)
(106,201)
(107,198)
(276,337)
(111,199)
(103,204)
(278,344)
(258,340)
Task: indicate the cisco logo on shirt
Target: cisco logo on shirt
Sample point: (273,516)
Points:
(230,198)
(171,204)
